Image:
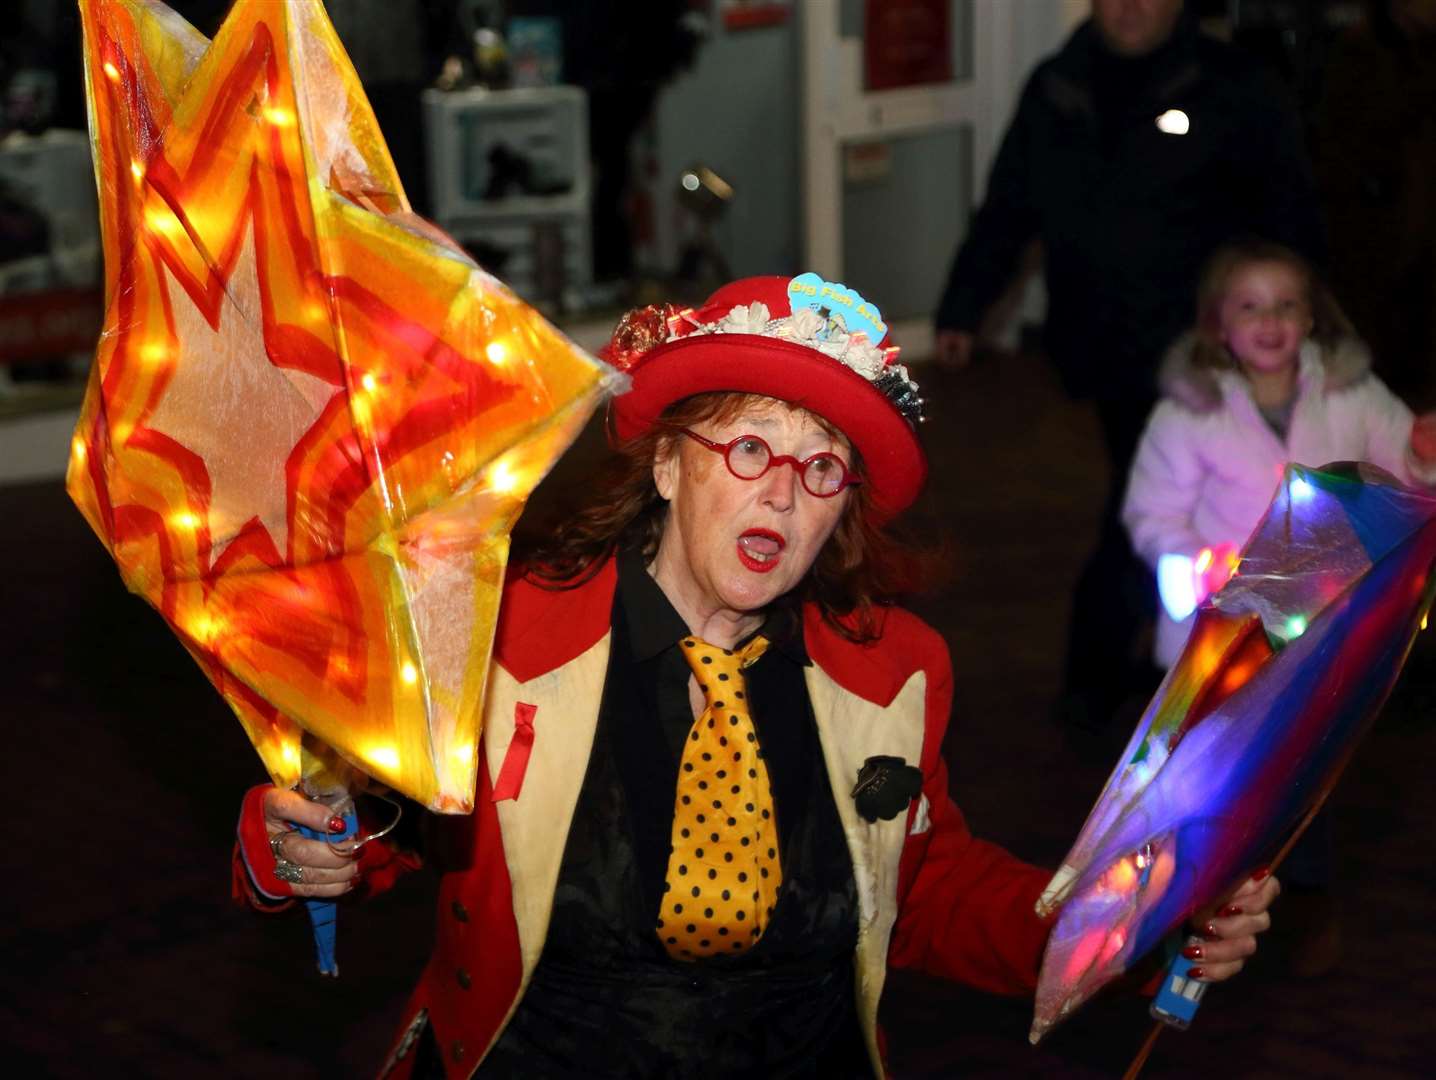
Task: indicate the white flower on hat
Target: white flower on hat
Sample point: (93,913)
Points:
(824,332)
(866,360)
(804,324)
(752,319)
(856,352)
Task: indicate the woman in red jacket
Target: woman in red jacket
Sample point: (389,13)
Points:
(713,809)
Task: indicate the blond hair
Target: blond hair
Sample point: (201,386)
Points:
(1329,323)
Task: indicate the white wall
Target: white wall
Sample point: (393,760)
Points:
(1033,30)
(35,447)
(942,140)
(1030,31)
(737,112)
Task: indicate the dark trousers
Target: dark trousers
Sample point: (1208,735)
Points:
(1115,596)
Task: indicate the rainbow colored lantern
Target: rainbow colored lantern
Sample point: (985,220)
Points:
(1284,670)
(312,420)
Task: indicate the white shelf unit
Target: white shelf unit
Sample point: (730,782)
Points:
(544,239)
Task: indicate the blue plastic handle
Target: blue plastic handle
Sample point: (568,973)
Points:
(323,914)
(1179,998)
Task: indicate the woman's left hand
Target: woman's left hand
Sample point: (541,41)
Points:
(1229,930)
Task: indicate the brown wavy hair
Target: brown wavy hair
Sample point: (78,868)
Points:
(1329,323)
(863,566)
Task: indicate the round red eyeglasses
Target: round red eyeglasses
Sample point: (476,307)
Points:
(748,457)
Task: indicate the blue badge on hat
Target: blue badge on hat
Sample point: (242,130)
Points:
(837,303)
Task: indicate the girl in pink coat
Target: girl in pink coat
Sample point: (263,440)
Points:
(1272,373)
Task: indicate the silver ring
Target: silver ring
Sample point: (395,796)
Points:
(288,871)
(276,843)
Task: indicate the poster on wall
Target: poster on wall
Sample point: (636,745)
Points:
(906,43)
(751,14)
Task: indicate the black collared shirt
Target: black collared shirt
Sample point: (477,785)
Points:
(648,677)
(606,999)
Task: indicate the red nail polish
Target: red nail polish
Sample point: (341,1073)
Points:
(1262,874)
(1210,931)
(1194,952)
(336,824)
(1197,973)
(1230,910)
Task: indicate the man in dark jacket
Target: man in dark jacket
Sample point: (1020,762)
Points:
(1136,150)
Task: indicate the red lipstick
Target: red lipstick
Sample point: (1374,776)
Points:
(760,550)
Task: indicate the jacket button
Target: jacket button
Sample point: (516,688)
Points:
(460,912)
(456,1050)
(463,977)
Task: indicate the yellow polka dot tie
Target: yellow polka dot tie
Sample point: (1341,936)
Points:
(724,872)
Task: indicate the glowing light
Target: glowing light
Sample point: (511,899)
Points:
(1174,122)
(162,221)
(204,628)
(1176,585)
(1423,617)
(1083,953)
(1238,675)
(1141,860)
(1295,626)
(386,757)
(1204,560)
(503,479)
(1122,877)
(690,181)
(269,241)
(359,406)
(1300,490)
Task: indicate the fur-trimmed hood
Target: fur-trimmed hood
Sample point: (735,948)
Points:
(1344,364)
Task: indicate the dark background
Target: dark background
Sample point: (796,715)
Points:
(123,956)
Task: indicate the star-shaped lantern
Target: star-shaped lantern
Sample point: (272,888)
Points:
(1284,671)
(312,420)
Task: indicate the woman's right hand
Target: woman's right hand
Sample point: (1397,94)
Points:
(324,869)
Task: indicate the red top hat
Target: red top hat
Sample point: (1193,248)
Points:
(802,340)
